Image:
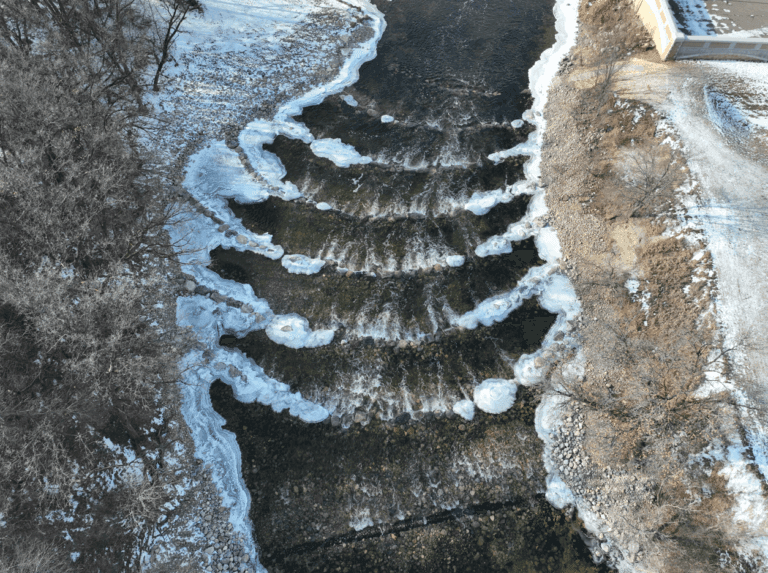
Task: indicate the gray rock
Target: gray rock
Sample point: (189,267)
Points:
(203,290)
(190,286)
(242,239)
(209,550)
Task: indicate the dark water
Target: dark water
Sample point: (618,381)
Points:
(454,76)
(444,494)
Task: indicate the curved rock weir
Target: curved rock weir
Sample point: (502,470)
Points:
(378,294)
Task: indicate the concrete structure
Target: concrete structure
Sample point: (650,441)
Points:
(674,45)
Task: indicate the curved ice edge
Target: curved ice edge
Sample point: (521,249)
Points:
(195,236)
(260,132)
(547,243)
(249,383)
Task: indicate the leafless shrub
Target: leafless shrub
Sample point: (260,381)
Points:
(651,174)
(33,557)
(82,226)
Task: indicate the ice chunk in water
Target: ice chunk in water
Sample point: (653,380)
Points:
(494,246)
(349,100)
(465,409)
(293,331)
(483,201)
(454,260)
(387,119)
(342,154)
(495,395)
(323,206)
(302,265)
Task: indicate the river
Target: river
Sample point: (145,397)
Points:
(412,277)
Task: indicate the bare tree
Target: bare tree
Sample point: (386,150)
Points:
(169,15)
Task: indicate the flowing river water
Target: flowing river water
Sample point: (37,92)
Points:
(395,219)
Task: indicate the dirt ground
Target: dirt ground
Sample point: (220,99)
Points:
(617,199)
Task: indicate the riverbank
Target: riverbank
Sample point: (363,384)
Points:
(652,448)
